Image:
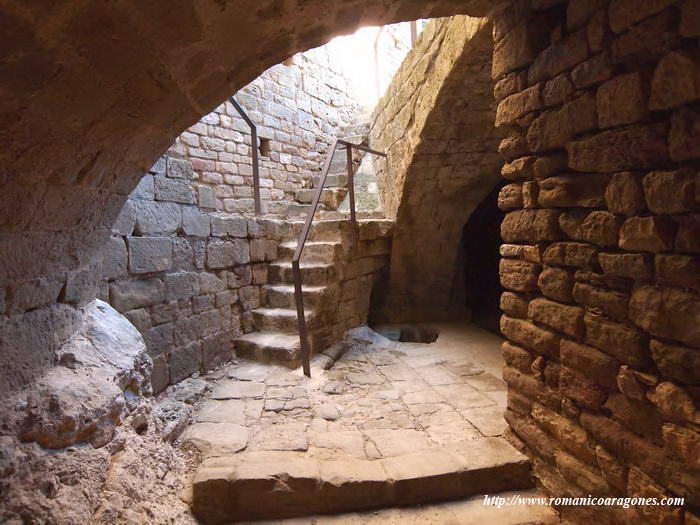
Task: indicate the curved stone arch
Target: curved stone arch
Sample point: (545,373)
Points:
(93,93)
(437,123)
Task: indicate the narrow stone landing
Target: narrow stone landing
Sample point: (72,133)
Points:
(391,424)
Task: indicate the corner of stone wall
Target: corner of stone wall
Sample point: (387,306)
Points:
(602,261)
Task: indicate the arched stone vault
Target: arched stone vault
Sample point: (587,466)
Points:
(91,93)
(437,123)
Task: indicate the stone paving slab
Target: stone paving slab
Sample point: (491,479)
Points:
(398,415)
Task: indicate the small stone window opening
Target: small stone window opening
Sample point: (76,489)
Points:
(264,146)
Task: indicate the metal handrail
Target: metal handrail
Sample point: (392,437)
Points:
(254,146)
(301,242)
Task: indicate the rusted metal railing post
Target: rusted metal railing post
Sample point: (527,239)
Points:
(301,241)
(254,152)
(351,192)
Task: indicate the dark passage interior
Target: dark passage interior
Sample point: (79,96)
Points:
(481,241)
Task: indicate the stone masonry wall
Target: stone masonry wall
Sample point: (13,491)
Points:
(602,255)
(436,123)
(299,106)
(185,275)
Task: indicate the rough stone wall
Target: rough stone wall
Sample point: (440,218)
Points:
(92,96)
(300,108)
(185,275)
(602,266)
(436,123)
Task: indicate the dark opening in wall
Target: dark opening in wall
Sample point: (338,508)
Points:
(264,146)
(408,333)
(481,242)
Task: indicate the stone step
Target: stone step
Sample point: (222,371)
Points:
(278,485)
(282,295)
(336,226)
(312,273)
(332,181)
(314,251)
(269,347)
(282,320)
(330,197)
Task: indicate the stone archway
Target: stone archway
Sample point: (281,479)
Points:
(92,94)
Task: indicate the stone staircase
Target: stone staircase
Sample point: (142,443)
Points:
(326,265)
(336,287)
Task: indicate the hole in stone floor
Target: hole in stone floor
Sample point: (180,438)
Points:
(408,333)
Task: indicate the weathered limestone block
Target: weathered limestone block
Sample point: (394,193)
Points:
(556,283)
(224,254)
(636,147)
(684,138)
(507,86)
(126,220)
(670,191)
(150,254)
(531,226)
(518,275)
(514,145)
(637,266)
(639,416)
(557,91)
(600,367)
(584,391)
(206,198)
(678,270)
(679,478)
(145,189)
(625,194)
(178,168)
(517,169)
(623,342)
(573,190)
(518,105)
(517,48)
(676,80)
(623,100)
(85,402)
(223,226)
(510,197)
(674,402)
(640,485)
(625,13)
(684,442)
(530,336)
(578,12)
(195,223)
(667,312)
(114,259)
(517,357)
(569,434)
(612,302)
(181,285)
(167,189)
(688,235)
(531,191)
(184,361)
(601,228)
(563,318)
(593,71)
(648,234)
(555,127)
(582,475)
(599,33)
(648,41)
(514,305)
(613,470)
(546,165)
(676,362)
(559,57)
(536,439)
(576,254)
(156,218)
(130,294)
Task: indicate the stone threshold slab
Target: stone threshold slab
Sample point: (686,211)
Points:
(277,485)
